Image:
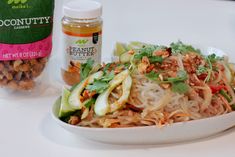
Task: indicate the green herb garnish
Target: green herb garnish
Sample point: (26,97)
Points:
(179,47)
(106,68)
(180,87)
(201,69)
(102,84)
(154,59)
(108,76)
(177,83)
(99,86)
(90,102)
(209,70)
(86,68)
(152,75)
(213,58)
(210,60)
(148,52)
(225,95)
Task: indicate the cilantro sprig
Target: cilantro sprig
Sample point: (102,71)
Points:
(201,69)
(180,47)
(89,102)
(86,68)
(213,58)
(180,87)
(178,84)
(152,75)
(100,85)
(154,59)
(210,59)
(148,52)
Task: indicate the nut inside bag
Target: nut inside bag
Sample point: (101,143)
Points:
(25,42)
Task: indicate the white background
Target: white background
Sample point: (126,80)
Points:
(27,129)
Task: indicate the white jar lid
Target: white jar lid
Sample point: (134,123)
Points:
(83,9)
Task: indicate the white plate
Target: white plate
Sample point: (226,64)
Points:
(177,132)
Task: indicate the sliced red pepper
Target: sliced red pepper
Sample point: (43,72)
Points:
(216,88)
(202,76)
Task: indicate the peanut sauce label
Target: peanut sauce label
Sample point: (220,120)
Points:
(80,47)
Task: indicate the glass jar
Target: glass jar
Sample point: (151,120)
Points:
(82,31)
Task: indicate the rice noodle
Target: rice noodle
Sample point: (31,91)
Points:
(218,78)
(160,106)
(179,61)
(231,92)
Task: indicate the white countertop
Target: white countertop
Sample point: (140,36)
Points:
(27,129)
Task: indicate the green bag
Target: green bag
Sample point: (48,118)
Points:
(25,41)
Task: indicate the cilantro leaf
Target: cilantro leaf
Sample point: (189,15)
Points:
(201,69)
(99,86)
(213,58)
(148,52)
(180,87)
(152,75)
(86,68)
(89,102)
(107,66)
(108,76)
(177,83)
(139,56)
(179,47)
(154,59)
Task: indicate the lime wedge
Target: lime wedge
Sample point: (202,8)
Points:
(135,45)
(120,49)
(125,57)
(65,106)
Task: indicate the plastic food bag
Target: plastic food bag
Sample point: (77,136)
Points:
(25,42)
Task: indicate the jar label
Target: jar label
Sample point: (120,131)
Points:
(80,47)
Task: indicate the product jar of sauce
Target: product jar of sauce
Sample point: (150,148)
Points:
(82,31)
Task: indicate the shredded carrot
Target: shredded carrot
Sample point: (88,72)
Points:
(182,115)
(86,83)
(226,103)
(81,98)
(160,123)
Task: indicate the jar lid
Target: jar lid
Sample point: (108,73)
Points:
(83,9)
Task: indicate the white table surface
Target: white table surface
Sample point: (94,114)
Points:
(27,129)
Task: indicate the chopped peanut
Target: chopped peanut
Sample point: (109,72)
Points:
(74,120)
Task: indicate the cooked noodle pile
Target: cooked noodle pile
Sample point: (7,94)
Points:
(207,91)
